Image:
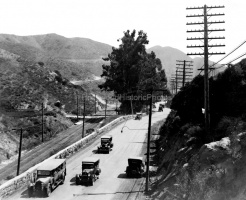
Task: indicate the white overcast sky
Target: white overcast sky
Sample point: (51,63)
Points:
(164,21)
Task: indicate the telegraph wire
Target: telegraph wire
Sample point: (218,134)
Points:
(226,56)
(229,53)
(231,61)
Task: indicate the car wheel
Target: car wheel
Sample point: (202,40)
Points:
(91,182)
(30,192)
(48,190)
(77,180)
(63,179)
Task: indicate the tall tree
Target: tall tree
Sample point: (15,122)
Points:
(131,67)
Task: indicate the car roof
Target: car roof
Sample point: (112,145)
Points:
(51,164)
(90,159)
(106,137)
(139,113)
(136,158)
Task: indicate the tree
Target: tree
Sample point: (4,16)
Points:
(132,68)
(188,102)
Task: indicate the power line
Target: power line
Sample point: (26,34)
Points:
(229,53)
(231,61)
(225,57)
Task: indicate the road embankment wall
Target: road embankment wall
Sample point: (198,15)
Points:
(22,180)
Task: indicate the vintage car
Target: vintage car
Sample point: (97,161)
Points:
(89,131)
(49,175)
(138,116)
(106,144)
(90,171)
(160,108)
(135,167)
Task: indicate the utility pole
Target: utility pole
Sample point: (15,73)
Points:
(106,102)
(42,122)
(95,103)
(83,126)
(206,53)
(176,80)
(131,105)
(77,107)
(172,85)
(149,133)
(185,73)
(148,142)
(20,146)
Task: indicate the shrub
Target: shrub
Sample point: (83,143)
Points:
(52,152)
(10,177)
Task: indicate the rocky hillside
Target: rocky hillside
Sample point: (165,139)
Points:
(24,87)
(197,164)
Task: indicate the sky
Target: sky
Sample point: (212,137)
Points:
(104,21)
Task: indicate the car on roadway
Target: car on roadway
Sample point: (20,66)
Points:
(136,167)
(90,171)
(106,144)
(138,116)
(47,177)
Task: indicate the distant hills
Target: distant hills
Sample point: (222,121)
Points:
(33,68)
(169,57)
(75,58)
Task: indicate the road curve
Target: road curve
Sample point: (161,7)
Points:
(112,183)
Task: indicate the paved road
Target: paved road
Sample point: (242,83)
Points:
(113,183)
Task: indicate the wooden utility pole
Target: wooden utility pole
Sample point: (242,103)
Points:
(206,53)
(206,81)
(106,102)
(148,142)
(95,103)
(172,81)
(176,79)
(149,134)
(42,122)
(185,74)
(83,126)
(77,107)
(20,146)
(131,105)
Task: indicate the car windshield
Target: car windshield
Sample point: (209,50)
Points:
(43,173)
(132,162)
(87,166)
(104,140)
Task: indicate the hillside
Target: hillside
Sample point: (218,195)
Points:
(75,58)
(197,164)
(24,86)
(38,69)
